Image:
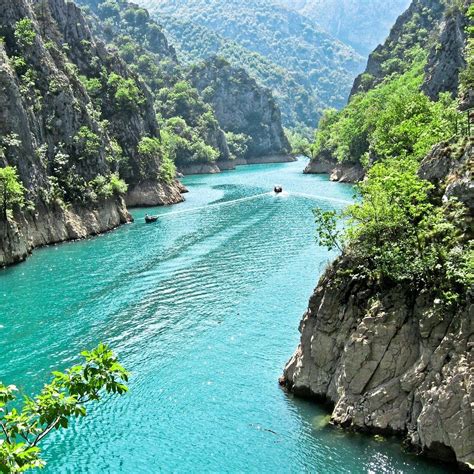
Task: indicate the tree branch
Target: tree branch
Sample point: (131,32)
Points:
(5,433)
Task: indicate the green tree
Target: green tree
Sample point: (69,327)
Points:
(24,32)
(238,144)
(22,429)
(396,232)
(11,190)
(126,92)
(88,143)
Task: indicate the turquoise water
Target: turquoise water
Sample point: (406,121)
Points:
(203,308)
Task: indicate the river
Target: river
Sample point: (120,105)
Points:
(203,308)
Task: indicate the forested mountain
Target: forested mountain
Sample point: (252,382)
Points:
(306,67)
(96,114)
(360,24)
(244,111)
(391,112)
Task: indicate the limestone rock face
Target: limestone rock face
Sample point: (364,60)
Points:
(242,106)
(54,224)
(446,59)
(60,134)
(341,172)
(426,16)
(391,359)
(452,170)
(389,362)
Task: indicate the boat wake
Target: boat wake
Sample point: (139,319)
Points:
(281,194)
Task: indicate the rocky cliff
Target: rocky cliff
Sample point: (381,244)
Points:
(414,30)
(429,40)
(446,58)
(391,359)
(242,107)
(71,119)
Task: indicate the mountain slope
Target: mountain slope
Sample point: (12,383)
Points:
(242,108)
(295,96)
(405,101)
(387,337)
(286,39)
(72,152)
(362,25)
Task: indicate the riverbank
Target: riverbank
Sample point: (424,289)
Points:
(54,224)
(340,172)
(230,165)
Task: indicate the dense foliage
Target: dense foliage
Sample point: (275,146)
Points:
(23,428)
(11,191)
(298,101)
(300,144)
(188,124)
(392,119)
(398,232)
(306,67)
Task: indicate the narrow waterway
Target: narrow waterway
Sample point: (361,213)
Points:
(203,308)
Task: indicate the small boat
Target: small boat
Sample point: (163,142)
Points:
(150,219)
(278,189)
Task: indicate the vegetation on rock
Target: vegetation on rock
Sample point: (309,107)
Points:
(11,191)
(362,25)
(392,119)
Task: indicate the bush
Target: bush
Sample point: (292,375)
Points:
(125,91)
(12,191)
(119,186)
(238,144)
(152,148)
(149,147)
(106,186)
(89,143)
(396,233)
(24,32)
(393,119)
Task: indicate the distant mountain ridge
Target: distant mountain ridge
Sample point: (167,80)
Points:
(315,69)
(360,24)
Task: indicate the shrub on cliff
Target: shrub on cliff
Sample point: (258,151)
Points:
(11,191)
(393,119)
(153,147)
(397,233)
(125,91)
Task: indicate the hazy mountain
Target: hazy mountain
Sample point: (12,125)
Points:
(314,70)
(361,24)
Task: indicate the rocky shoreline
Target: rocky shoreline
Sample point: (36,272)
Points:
(48,225)
(229,165)
(390,360)
(339,172)
(51,225)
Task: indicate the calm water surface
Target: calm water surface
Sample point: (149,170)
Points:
(203,308)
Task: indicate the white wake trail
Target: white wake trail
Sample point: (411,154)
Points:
(210,206)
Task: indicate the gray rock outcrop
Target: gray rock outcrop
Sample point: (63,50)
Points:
(389,362)
(242,106)
(446,58)
(392,359)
